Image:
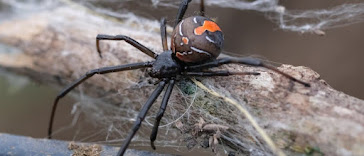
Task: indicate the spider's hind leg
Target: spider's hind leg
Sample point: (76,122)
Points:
(218,73)
(245,60)
(183,7)
(202,8)
(181,11)
(164,34)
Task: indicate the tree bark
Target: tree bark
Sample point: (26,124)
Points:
(58,46)
(31,146)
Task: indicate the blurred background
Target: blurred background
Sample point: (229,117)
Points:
(336,56)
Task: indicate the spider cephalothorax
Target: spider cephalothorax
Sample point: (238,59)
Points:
(197,39)
(196,43)
(165,66)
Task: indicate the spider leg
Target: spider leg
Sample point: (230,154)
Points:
(183,7)
(218,73)
(202,8)
(164,34)
(88,75)
(159,116)
(245,60)
(127,39)
(181,11)
(141,116)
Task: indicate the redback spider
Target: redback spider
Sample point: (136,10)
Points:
(195,45)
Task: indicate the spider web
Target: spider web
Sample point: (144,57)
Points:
(112,120)
(303,21)
(314,20)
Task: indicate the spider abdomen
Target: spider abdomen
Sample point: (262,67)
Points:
(197,39)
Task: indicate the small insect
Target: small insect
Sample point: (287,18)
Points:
(196,43)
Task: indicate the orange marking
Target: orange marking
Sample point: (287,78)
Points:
(185,40)
(207,25)
(180,56)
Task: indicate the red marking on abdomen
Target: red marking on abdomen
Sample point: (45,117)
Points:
(207,25)
(185,40)
(180,56)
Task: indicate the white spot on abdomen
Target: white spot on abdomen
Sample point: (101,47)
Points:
(180,28)
(200,51)
(195,20)
(209,39)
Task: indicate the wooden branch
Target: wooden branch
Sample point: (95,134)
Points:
(21,145)
(58,46)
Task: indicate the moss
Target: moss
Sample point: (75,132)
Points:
(313,151)
(187,86)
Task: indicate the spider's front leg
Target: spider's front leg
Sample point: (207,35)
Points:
(85,77)
(141,116)
(245,60)
(127,39)
(162,108)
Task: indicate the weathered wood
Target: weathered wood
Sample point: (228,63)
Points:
(57,47)
(21,145)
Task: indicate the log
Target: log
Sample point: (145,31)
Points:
(58,46)
(22,145)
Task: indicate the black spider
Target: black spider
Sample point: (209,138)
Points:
(196,43)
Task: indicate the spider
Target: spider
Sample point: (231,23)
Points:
(196,43)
